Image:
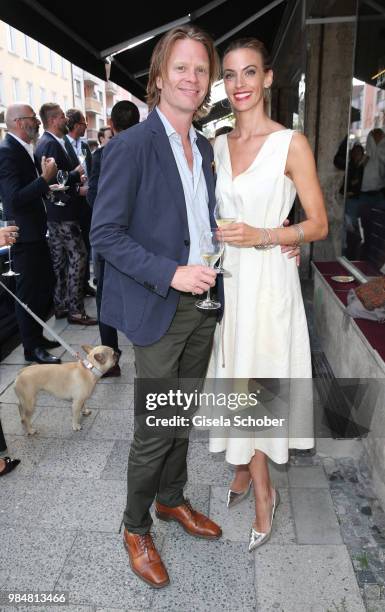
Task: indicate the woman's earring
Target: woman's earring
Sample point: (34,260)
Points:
(267,93)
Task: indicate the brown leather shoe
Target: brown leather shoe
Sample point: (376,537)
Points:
(193,522)
(145,560)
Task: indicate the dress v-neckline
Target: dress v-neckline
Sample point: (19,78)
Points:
(233,178)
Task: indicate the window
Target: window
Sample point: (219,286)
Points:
(100,96)
(77,88)
(52,61)
(54,96)
(16,90)
(43,95)
(11,39)
(27,47)
(64,65)
(40,55)
(2,97)
(65,101)
(30,93)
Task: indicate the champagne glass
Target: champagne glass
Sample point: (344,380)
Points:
(10,272)
(62,177)
(222,218)
(211,248)
(82,157)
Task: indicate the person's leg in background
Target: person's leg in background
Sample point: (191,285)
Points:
(85,225)
(56,242)
(77,260)
(34,287)
(108,334)
(6,463)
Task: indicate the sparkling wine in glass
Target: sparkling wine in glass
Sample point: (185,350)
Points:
(62,177)
(222,218)
(10,272)
(211,249)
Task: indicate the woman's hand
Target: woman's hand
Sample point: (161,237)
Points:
(8,235)
(240,234)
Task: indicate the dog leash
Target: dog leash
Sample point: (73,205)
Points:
(87,364)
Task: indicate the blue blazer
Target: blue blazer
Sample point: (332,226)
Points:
(139,226)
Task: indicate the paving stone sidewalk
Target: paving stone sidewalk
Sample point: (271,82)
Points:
(60,512)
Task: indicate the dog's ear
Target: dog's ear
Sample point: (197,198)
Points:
(87,348)
(100,357)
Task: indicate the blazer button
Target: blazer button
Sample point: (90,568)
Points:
(187,242)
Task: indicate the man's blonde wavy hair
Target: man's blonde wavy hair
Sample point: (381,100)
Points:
(161,54)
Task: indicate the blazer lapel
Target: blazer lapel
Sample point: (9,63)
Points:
(21,151)
(168,166)
(70,152)
(86,151)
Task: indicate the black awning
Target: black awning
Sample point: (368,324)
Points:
(82,31)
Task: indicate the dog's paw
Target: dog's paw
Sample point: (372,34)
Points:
(86,412)
(76,427)
(32,432)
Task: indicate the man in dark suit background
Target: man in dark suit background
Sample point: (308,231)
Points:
(124,114)
(76,149)
(68,251)
(22,190)
(155,198)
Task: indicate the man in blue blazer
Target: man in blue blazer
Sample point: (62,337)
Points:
(155,198)
(23,185)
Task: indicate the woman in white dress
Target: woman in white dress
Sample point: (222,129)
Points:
(260,167)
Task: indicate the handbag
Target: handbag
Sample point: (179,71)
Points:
(372,293)
(357,310)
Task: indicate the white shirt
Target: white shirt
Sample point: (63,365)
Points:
(77,147)
(194,187)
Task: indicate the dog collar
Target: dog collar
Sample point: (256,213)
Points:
(88,365)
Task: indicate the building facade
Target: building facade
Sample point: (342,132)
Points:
(32,73)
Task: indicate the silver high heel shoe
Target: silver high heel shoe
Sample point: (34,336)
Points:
(258,538)
(234,498)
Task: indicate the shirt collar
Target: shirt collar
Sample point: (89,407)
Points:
(170,130)
(27,146)
(73,140)
(61,140)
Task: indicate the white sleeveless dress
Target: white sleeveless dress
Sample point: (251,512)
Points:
(264,330)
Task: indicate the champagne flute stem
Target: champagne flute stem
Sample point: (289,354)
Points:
(9,259)
(208,298)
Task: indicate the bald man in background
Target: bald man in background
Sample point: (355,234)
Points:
(23,183)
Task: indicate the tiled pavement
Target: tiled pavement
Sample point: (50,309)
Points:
(60,513)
